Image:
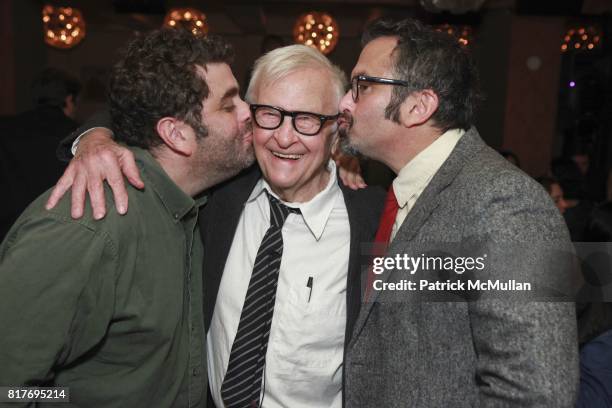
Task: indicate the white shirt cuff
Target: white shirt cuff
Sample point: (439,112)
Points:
(75,144)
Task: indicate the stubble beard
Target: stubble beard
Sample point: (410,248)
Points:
(222,161)
(346,146)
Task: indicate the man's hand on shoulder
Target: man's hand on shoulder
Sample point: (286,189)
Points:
(349,169)
(97,158)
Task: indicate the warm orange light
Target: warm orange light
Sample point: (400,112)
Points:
(188,18)
(62,32)
(463,34)
(581,39)
(318,30)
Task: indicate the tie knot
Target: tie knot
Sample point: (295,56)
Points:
(279,211)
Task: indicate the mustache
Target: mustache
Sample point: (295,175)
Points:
(347,117)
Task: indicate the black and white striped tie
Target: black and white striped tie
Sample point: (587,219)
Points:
(241,386)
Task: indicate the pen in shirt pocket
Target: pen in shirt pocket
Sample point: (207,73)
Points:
(309,286)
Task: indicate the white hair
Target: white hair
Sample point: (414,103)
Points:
(283,61)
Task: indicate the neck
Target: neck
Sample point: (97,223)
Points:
(179,171)
(305,193)
(406,146)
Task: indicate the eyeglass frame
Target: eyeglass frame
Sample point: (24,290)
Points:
(322,118)
(376,80)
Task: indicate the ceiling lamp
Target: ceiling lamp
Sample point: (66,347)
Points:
(582,38)
(463,34)
(317,30)
(454,6)
(188,18)
(63,27)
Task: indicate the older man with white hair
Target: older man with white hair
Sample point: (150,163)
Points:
(282,281)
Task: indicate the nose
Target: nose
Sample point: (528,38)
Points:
(347,103)
(285,134)
(244,114)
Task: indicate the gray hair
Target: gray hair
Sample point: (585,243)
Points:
(283,61)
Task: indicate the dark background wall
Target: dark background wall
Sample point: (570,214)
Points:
(519,113)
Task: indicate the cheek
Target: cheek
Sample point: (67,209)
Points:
(319,149)
(260,139)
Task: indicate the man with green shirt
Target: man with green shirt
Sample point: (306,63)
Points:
(112,309)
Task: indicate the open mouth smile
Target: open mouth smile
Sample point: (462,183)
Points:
(287,156)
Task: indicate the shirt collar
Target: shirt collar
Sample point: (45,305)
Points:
(176,201)
(418,172)
(315,212)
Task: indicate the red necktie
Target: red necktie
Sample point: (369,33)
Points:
(385,226)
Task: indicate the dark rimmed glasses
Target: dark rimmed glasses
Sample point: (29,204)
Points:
(377,80)
(305,123)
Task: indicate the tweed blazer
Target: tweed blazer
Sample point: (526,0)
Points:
(408,352)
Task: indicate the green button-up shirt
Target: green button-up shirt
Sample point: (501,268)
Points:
(111,309)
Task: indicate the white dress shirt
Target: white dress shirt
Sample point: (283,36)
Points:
(305,349)
(414,177)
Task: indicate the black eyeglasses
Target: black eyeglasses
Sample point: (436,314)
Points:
(306,123)
(377,80)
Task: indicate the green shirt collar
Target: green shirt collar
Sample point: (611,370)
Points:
(176,201)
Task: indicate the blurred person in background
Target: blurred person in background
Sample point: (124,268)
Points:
(25,176)
(578,206)
(553,188)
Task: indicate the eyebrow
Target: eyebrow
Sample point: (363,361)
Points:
(230,93)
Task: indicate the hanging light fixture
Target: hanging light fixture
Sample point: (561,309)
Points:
(63,27)
(581,38)
(188,18)
(463,34)
(318,30)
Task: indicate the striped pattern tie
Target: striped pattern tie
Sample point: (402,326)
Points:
(241,386)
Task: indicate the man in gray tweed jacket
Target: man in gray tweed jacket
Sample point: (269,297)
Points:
(411,106)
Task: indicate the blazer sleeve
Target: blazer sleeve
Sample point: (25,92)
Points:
(98,119)
(527,350)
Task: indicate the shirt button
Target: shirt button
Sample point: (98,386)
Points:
(195,372)
(176,216)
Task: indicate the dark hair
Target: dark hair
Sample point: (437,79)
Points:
(52,87)
(570,179)
(158,77)
(428,59)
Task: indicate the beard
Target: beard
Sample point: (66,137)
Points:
(221,157)
(345,144)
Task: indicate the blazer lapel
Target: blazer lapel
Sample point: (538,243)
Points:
(218,223)
(353,279)
(423,208)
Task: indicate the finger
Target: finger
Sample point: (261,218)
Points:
(63,185)
(343,174)
(78,196)
(130,169)
(361,182)
(95,188)
(115,180)
(354,181)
